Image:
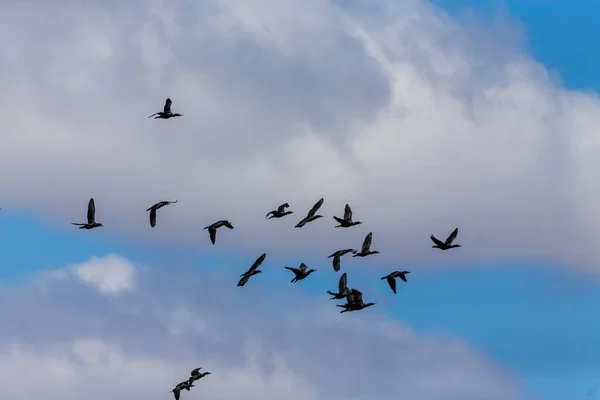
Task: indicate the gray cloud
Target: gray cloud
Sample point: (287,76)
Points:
(77,339)
(396,109)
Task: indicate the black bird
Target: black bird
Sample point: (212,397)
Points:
(212,229)
(195,375)
(280,212)
(337,256)
(366,247)
(347,221)
(391,278)
(156,207)
(448,243)
(253,270)
(311,214)
(166,112)
(354,302)
(181,386)
(300,272)
(91,217)
(343,290)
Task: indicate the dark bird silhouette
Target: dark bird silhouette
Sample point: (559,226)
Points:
(280,212)
(346,222)
(253,270)
(446,244)
(337,256)
(391,278)
(343,290)
(354,302)
(300,272)
(212,229)
(156,207)
(91,217)
(311,214)
(366,247)
(181,386)
(166,112)
(195,375)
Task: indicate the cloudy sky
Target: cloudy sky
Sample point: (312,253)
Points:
(422,115)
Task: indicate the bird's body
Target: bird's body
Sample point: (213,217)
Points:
(280,212)
(354,302)
(156,207)
(447,244)
(366,247)
(212,229)
(300,272)
(91,217)
(185,385)
(311,216)
(337,258)
(391,278)
(346,222)
(343,290)
(253,270)
(166,113)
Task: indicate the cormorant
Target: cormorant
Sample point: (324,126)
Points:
(212,229)
(347,221)
(280,212)
(354,302)
(166,112)
(156,207)
(366,247)
(337,256)
(91,217)
(391,278)
(300,272)
(195,375)
(448,243)
(343,290)
(253,270)
(311,214)
(181,386)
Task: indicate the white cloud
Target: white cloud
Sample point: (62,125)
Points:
(82,346)
(419,123)
(110,274)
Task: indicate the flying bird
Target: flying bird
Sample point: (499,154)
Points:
(156,207)
(354,302)
(181,386)
(253,270)
(391,278)
(343,290)
(300,272)
(195,375)
(91,217)
(166,112)
(446,244)
(212,229)
(346,222)
(337,256)
(311,214)
(366,247)
(280,212)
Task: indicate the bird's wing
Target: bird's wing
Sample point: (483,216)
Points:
(91,213)
(213,234)
(342,283)
(294,270)
(357,295)
(403,277)
(366,246)
(153,217)
(301,223)
(437,241)
(258,261)
(392,282)
(167,108)
(76,223)
(227,224)
(176,393)
(282,207)
(315,208)
(243,280)
(452,236)
(269,213)
(336,263)
(195,371)
(339,220)
(153,115)
(302,267)
(348,213)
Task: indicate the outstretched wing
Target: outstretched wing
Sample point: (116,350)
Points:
(195,371)
(213,234)
(302,267)
(282,207)
(357,296)
(392,282)
(167,108)
(336,263)
(342,283)
(348,213)
(452,237)
(366,246)
(315,208)
(437,241)
(403,277)
(91,213)
(257,263)
(227,224)
(153,217)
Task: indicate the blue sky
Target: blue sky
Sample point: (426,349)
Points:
(530,311)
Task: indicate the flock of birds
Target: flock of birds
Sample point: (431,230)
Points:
(352,296)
